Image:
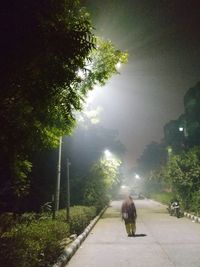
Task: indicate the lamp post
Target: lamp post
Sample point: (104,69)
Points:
(57,192)
(68,192)
(107,154)
(58,176)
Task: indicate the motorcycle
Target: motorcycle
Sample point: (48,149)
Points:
(174,209)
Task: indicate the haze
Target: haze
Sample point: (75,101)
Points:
(163,42)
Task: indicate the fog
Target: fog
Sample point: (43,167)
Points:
(163,43)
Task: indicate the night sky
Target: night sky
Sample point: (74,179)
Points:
(163,42)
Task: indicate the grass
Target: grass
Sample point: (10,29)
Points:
(162,197)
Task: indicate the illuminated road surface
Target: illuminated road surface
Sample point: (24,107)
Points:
(161,240)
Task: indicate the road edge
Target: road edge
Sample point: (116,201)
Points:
(192,217)
(70,250)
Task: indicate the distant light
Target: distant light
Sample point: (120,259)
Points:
(181,129)
(123,186)
(137,176)
(108,154)
(169,150)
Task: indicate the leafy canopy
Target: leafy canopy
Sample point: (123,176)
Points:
(45,44)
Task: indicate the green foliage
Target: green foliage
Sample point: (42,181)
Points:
(103,177)
(195,203)
(181,174)
(189,121)
(100,65)
(6,222)
(80,217)
(184,174)
(153,157)
(84,148)
(36,245)
(35,239)
(173,136)
(154,183)
(37,99)
(45,44)
(192,117)
(163,197)
(21,169)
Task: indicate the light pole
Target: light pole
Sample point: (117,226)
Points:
(68,192)
(57,191)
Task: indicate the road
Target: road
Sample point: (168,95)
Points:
(161,240)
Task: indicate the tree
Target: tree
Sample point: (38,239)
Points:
(192,115)
(153,156)
(183,133)
(103,177)
(183,174)
(173,136)
(45,43)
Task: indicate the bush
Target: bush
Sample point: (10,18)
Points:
(164,197)
(80,217)
(195,203)
(35,245)
(6,222)
(35,241)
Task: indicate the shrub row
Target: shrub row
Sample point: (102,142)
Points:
(80,216)
(36,243)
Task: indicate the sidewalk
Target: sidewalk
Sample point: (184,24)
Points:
(107,245)
(161,240)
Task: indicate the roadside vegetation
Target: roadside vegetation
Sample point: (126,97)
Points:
(171,169)
(36,240)
(50,61)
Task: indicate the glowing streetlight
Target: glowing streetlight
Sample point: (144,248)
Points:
(181,129)
(107,154)
(137,176)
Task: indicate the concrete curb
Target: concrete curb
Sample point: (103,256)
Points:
(186,214)
(192,217)
(69,251)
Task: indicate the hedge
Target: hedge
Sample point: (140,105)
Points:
(38,243)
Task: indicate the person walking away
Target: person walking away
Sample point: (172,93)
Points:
(129,215)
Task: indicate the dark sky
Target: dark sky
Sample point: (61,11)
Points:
(163,42)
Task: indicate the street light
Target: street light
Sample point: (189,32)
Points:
(57,193)
(137,176)
(107,154)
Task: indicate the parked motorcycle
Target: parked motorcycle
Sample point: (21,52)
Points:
(174,209)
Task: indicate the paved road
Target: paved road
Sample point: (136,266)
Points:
(161,240)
